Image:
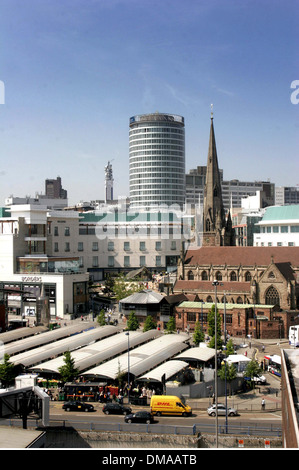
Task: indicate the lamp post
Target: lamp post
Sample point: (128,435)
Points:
(226,420)
(215,284)
(128,335)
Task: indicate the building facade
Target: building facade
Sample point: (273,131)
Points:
(279,227)
(157,160)
(29,263)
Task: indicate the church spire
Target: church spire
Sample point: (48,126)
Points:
(214,223)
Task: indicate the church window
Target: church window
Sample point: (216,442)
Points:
(272,296)
(233,276)
(204,276)
(239,300)
(218,276)
(271,275)
(190,276)
(247,276)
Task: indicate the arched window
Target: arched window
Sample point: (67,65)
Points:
(190,276)
(218,276)
(239,300)
(247,276)
(271,275)
(209,299)
(272,296)
(233,276)
(204,276)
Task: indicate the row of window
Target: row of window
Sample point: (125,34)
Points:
(127,263)
(111,247)
(218,276)
(280,229)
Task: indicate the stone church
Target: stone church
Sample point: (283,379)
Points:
(248,276)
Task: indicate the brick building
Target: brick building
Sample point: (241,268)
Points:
(260,285)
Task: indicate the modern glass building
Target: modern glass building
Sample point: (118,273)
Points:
(157,160)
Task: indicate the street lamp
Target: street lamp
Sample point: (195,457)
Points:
(128,335)
(226,421)
(215,283)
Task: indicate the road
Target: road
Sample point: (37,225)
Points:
(199,417)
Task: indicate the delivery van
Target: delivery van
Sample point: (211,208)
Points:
(169,405)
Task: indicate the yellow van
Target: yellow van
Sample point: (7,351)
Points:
(169,405)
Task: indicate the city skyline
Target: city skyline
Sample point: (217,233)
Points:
(74,72)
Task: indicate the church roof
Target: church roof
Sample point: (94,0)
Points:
(206,286)
(242,255)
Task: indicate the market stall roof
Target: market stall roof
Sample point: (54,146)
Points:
(142,359)
(233,358)
(47,337)
(169,368)
(98,352)
(43,353)
(20,333)
(146,296)
(199,354)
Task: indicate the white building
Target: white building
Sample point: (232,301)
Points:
(279,227)
(62,250)
(29,262)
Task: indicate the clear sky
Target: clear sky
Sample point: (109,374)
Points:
(75,71)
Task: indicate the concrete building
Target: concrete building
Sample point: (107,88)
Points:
(157,160)
(279,227)
(29,262)
(286,195)
(54,189)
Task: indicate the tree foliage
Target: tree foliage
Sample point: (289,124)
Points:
(149,324)
(198,335)
(132,323)
(211,328)
(171,327)
(8,371)
(101,318)
(68,371)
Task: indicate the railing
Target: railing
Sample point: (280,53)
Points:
(156,428)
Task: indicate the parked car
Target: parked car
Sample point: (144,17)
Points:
(116,409)
(77,406)
(139,417)
(221,410)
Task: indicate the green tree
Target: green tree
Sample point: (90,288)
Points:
(101,318)
(230,371)
(252,370)
(171,328)
(8,371)
(198,335)
(122,288)
(132,323)
(211,328)
(68,371)
(229,348)
(149,324)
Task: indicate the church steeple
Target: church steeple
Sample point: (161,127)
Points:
(214,223)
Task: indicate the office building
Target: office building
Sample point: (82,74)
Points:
(157,161)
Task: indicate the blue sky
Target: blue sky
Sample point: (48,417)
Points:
(74,72)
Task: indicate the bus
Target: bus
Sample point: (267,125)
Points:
(294,336)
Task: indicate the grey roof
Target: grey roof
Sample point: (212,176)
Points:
(142,359)
(99,351)
(146,296)
(20,333)
(47,337)
(169,368)
(199,354)
(42,353)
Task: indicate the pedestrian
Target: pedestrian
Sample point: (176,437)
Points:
(263,404)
